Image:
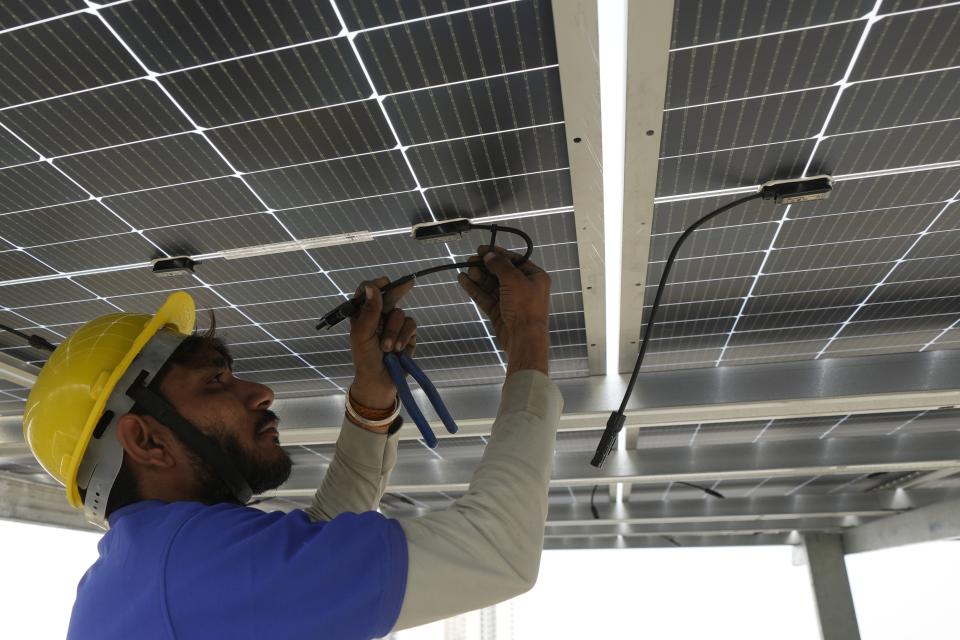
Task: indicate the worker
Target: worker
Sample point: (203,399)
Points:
(155,438)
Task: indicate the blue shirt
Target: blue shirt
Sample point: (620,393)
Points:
(185,570)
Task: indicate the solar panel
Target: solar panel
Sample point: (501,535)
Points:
(869,270)
(192,128)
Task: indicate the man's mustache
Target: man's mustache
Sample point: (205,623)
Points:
(266,417)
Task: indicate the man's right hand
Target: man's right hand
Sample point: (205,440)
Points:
(517,301)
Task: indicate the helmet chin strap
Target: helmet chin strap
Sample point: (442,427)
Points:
(102,460)
(154,405)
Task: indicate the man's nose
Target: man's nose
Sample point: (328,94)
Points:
(258,396)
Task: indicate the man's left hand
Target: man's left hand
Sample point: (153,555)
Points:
(379,327)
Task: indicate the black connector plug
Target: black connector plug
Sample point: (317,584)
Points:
(342,312)
(38,342)
(609,438)
(443,231)
(351,306)
(35,341)
(797,189)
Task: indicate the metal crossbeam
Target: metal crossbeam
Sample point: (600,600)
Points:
(659,541)
(841,386)
(18,372)
(32,502)
(940,521)
(750,510)
(799,458)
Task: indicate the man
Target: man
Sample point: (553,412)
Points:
(170,445)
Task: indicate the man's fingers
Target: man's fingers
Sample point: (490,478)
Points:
(527,268)
(379,282)
(483,298)
(483,280)
(367,319)
(392,325)
(500,266)
(483,249)
(407,335)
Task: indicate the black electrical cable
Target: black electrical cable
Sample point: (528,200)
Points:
(33,340)
(706,490)
(672,541)
(617,418)
(353,305)
(593,507)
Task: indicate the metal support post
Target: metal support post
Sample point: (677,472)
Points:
(831,588)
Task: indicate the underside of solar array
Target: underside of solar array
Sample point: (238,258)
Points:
(803,373)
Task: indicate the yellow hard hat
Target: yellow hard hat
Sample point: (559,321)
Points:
(73,387)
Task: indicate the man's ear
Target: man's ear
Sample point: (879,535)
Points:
(146,442)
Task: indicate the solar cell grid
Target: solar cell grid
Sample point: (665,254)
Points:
(61,56)
(92,253)
(365,14)
(445,50)
(170,36)
(39,293)
(269,84)
(17,13)
(60,223)
(192,202)
(349,129)
(392,211)
(197,238)
(698,23)
(13,152)
(477,107)
(35,185)
(95,119)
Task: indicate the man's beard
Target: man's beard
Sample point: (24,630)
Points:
(261,473)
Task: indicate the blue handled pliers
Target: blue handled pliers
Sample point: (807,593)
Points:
(399,365)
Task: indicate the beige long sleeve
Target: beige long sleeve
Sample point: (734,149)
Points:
(485,548)
(357,475)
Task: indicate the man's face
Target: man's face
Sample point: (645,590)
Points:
(234,413)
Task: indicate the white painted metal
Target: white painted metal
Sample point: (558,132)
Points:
(927,478)
(939,521)
(617,541)
(842,386)
(649,25)
(575,24)
(752,509)
(799,458)
(831,587)
(16,371)
(31,502)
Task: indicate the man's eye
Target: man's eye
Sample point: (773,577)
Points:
(217,378)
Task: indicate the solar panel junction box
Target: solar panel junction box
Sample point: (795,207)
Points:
(442,231)
(176,266)
(797,189)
